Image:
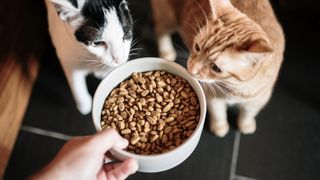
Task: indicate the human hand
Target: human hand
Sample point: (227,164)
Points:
(83,158)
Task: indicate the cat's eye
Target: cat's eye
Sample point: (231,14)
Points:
(99,43)
(216,68)
(197,47)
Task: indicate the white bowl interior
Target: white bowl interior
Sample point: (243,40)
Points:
(150,163)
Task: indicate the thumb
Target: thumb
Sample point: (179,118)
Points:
(107,139)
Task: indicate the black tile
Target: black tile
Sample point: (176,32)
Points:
(31,153)
(51,105)
(299,72)
(210,160)
(286,144)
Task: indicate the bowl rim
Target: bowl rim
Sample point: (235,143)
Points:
(203,107)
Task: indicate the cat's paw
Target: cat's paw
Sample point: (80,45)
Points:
(102,74)
(247,127)
(99,75)
(219,129)
(85,105)
(168,55)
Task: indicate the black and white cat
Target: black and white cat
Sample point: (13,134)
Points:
(89,36)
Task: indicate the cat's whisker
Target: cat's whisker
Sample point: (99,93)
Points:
(89,56)
(135,21)
(93,62)
(201,30)
(212,89)
(204,86)
(226,86)
(230,83)
(89,60)
(203,12)
(136,49)
(198,23)
(136,53)
(100,66)
(216,87)
(193,28)
(208,90)
(222,88)
(130,55)
(134,42)
(226,91)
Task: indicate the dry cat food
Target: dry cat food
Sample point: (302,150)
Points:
(156,111)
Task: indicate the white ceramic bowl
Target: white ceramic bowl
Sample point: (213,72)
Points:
(164,161)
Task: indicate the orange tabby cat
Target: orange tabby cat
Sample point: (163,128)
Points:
(236,49)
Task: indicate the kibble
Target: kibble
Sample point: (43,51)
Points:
(169,119)
(156,111)
(134,140)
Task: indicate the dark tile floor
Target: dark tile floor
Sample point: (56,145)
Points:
(285,146)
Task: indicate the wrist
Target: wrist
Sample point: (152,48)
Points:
(47,173)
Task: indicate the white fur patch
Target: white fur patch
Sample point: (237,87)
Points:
(117,51)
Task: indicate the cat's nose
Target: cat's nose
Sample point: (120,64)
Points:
(192,71)
(196,75)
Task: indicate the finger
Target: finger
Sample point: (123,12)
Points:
(109,167)
(121,170)
(107,139)
(102,175)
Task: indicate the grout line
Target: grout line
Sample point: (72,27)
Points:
(239,177)
(47,133)
(235,153)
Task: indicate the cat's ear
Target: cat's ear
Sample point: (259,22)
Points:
(258,45)
(246,72)
(66,9)
(220,7)
(123,5)
(249,57)
(244,66)
(126,19)
(124,11)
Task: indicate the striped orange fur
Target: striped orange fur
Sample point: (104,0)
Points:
(236,50)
